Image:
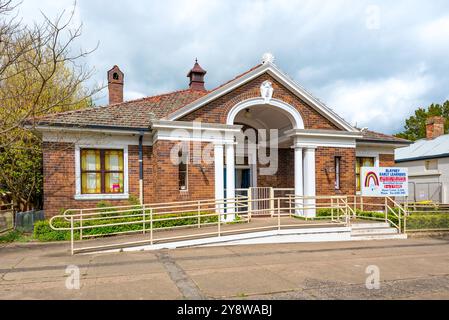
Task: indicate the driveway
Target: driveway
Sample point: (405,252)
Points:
(408,269)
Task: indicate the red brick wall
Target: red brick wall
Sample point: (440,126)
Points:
(325,171)
(386,160)
(285,176)
(201,180)
(217,111)
(60,184)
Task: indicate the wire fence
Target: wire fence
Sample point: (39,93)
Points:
(6,217)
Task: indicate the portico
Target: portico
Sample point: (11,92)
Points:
(256,116)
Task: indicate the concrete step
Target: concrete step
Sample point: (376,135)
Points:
(374,225)
(379,237)
(373,231)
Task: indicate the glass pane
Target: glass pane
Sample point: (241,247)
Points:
(91,183)
(114,183)
(113,160)
(182,181)
(368,162)
(90,160)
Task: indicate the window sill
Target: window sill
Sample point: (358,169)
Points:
(102,197)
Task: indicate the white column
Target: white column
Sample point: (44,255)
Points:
(310,180)
(230,182)
(299,191)
(219,176)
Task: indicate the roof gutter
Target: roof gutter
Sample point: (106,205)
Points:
(95,128)
(439,156)
(405,143)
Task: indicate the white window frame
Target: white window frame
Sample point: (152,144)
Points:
(121,196)
(368,154)
(182,191)
(337,165)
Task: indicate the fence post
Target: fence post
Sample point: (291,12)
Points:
(361,204)
(332,209)
(151,227)
(219,222)
(250,205)
(386,210)
(71,235)
(346,207)
(144,220)
(81,224)
(405,221)
(279,214)
(199,214)
(272,209)
(290,205)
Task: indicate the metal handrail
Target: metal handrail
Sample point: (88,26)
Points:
(85,219)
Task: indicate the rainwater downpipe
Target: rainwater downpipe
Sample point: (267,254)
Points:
(141,168)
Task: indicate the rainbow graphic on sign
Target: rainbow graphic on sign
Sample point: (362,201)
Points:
(371,180)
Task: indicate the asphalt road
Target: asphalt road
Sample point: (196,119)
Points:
(408,269)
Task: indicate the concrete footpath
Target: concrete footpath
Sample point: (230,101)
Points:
(409,269)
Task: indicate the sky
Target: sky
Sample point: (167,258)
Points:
(373,62)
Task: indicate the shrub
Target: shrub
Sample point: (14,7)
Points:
(428,221)
(10,237)
(43,231)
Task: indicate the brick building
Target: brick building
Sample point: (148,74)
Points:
(260,129)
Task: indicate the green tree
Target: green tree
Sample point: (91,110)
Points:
(40,73)
(415,126)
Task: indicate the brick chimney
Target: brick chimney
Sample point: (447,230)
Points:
(434,127)
(115,85)
(196,76)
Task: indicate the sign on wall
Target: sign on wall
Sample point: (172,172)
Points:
(384,182)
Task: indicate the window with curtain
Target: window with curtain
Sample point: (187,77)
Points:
(102,171)
(361,163)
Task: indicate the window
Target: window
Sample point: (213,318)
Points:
(337,172)
(431,165)
(183,171)
(361,163)
(102,171)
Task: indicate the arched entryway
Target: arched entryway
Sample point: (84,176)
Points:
(262,115)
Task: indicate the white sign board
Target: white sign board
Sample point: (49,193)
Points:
(384,182)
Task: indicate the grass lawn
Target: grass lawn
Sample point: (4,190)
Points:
(16,236)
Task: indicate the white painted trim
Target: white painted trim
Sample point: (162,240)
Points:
(432,173)
(323,133)
(369,154)
(280,76)
(325,142)
(195,132)
(327,234)
(123,196)
(292,113)
(119,131)
(95,138)
(186,125)
(99,197)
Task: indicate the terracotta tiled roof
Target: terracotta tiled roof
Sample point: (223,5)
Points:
(137,114)
(132,114)
(380,137)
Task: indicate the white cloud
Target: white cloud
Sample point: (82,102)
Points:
(132,95)
(403,62)
(379,104)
